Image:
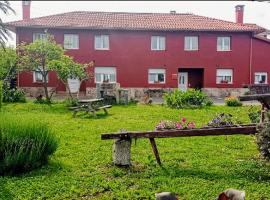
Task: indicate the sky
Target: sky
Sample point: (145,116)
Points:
(255,12)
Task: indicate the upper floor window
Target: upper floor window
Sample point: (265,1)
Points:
(191,43)
(224,43)
(224,75)
(156,76)
(158,43)
(102,42)
(105,74)
(71,41)
(39,36)
(260,78)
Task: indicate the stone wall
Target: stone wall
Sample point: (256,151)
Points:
(36,91)
(223,92)
(134,93)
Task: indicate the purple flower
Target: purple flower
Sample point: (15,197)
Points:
(178,125)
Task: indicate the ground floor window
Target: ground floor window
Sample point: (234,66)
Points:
(38,78)
(105,74)
(156,76)
(260,77)
(224,76)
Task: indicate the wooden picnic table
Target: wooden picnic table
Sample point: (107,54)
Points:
(90,105)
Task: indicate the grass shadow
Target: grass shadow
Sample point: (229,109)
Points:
(248,173)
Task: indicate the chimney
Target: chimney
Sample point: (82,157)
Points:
(26,9)
(239,14)
(172,12)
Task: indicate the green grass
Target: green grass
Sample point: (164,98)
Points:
(81,168)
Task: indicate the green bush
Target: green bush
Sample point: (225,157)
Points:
(254,114)
(190,99)
(25,144)
(13,95)
(233,101)
(41,100)
(1,94)
(263,137)
(71,102)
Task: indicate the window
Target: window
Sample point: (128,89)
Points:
(224,43)
(157,43)
(191,43)
(39,36)
(38,78)
(102,42)
(156,76)
(224,75)
(71,41)
(260,78)
(105,74)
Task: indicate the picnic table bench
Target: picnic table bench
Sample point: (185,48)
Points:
(90,105)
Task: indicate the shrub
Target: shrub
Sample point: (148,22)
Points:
(13,95)
(41,100)
(190,99)
(233,101)
(24,144)
(263,137)
(1,94)
(71,102)
(254,114)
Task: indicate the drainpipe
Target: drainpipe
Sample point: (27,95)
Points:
(250,59)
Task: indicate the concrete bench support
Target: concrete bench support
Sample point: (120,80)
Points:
(121,152)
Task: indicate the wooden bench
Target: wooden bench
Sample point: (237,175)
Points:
(122,143)
(104,108)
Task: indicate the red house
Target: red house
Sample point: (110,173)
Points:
(153,50)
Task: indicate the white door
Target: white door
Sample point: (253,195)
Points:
(183,81)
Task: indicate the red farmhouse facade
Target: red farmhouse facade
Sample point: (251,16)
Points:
(153,50)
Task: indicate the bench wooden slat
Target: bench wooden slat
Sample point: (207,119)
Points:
(106,106)
(244,130)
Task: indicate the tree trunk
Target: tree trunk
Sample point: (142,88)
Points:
(45,86)
(69,92)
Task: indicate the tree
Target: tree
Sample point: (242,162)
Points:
(37,56)
(66,68)
(4,33)
(8,59)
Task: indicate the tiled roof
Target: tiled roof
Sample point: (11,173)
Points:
(134,21)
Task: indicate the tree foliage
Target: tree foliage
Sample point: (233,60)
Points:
(37,56)
(4,33)
(66,68)
(8,59)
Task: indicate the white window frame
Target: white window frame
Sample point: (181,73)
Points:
(102,41)
(158,40)
(260,74)
(75,37)
(156,72)
(39,81)
(222,47)
(105,71)
(224,72)
(188,45)
(41,36)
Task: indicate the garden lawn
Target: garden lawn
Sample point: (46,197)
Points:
(195,167)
